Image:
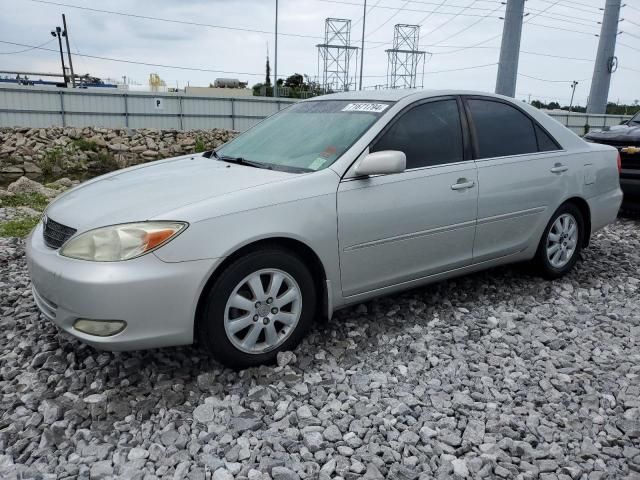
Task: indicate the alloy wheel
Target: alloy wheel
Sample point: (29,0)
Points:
(562,240)
(262,311)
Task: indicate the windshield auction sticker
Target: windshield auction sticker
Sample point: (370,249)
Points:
(365,107)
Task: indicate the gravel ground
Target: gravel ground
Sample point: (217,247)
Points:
(496,375)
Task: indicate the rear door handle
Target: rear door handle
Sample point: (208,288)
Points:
(559,168)
(462,184)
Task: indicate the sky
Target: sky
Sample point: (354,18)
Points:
(461,38)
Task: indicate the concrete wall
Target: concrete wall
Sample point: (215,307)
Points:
(27,106)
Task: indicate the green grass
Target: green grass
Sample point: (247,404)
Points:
(200,146)
(86,145)
(19,227)
(36,201)
(52,158)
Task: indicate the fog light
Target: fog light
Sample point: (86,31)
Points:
(99,328)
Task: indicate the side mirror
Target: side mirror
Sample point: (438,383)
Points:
(382,163)
(624,122)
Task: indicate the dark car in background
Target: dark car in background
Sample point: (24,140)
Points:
(626,138)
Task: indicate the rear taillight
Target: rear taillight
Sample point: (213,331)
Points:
(619,163)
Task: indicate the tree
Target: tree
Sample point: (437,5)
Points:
(267,80)
(295,81)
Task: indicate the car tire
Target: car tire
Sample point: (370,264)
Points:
(242,326)
(560,245)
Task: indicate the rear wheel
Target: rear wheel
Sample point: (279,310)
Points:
(261,304)
(561,242)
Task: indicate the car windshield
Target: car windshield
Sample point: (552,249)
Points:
(307,136)
(635,118)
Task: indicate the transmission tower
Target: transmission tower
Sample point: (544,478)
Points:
(405,58)
(335,55)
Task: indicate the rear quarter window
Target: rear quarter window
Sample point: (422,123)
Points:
(545,142)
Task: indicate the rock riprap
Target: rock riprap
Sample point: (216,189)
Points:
(496,375)
(60,150)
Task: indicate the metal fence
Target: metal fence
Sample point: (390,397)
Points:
(28,106)
(581,123)
(46,107)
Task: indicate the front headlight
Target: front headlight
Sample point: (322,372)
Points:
(121,242)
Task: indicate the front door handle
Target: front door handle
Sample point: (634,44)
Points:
(559,168)
(463,184)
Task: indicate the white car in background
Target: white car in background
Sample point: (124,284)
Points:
(328,203)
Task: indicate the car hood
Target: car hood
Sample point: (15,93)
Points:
(149,190)
(618,133)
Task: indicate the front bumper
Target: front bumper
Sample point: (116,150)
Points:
(157,299)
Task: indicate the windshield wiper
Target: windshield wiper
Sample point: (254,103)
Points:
(240,161)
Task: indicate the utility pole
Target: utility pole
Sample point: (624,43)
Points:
(574,84)
(275,58)
(510,48)
(58,33)
(66,37)
(364,21)
(606,61)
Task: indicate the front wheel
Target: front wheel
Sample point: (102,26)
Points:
(561,242)
(261,304)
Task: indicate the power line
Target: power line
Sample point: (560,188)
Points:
(426,17)
(470,26)
(487,40)
(359,19)
(181,22)
(572,3)
(429,15)
(174,67)
(539,54)
(460,13)
(134,62)
(573,21)
(564,29)
(398,10)
(629,46)
(550,81)
(343,2)
(462,68)
(557,56)
(446,70)
(28,49)
(573,8)
(190,23)
(483,17)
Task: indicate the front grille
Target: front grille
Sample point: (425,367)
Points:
(630,161)
(55,234)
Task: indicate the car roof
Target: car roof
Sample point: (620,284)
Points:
(394,95)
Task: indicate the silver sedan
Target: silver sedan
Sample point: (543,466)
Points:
(328,203)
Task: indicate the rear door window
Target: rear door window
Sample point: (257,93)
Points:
(501,130)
